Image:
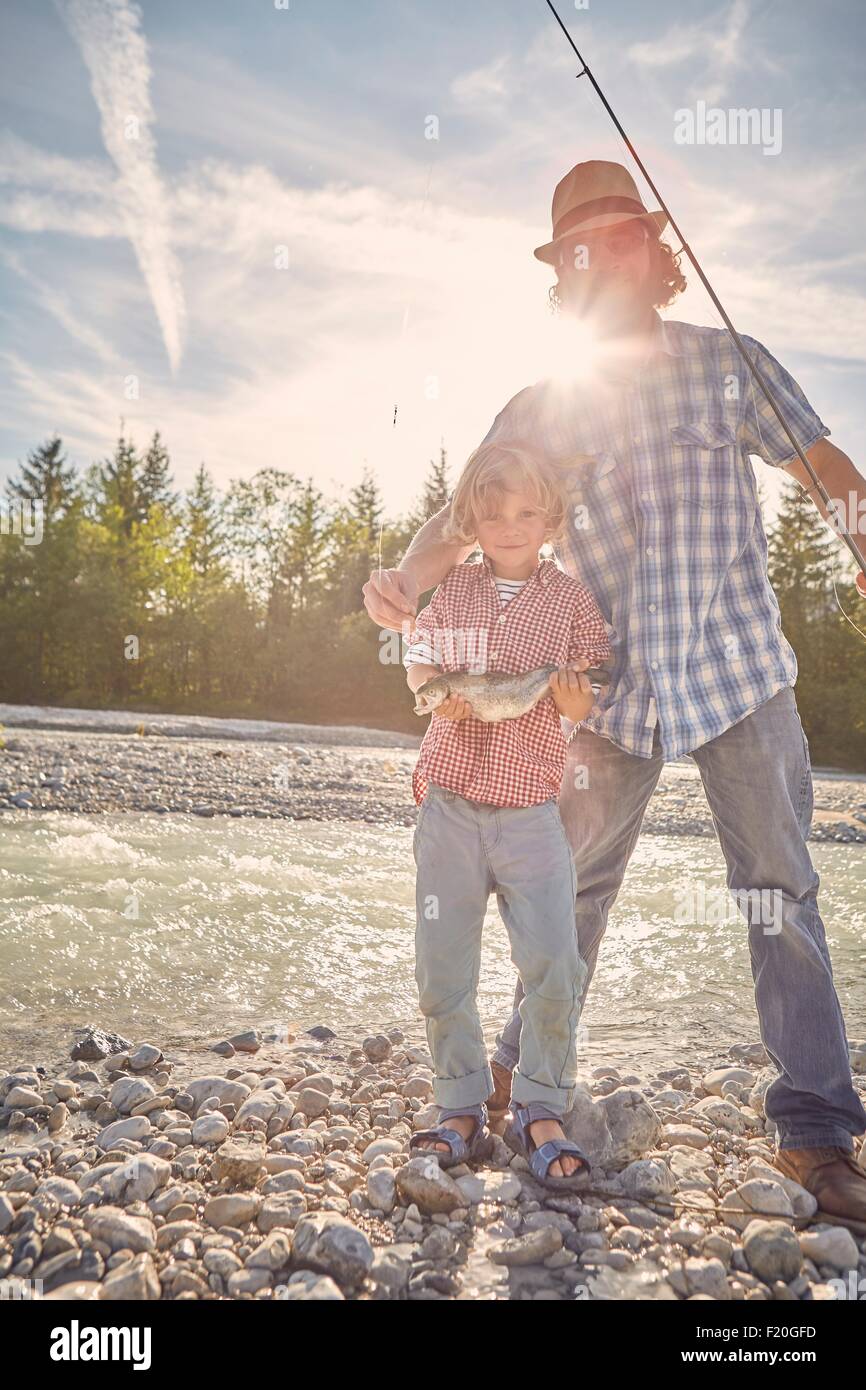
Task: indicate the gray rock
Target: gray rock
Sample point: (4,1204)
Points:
(714,1081)
(240,1160)
(284,1210)
(22,1098)
(227,1092)
(95,1045)
(211,1128)
(136,1127)
(377,1048)
(422,1181)
(647,1177)
(381,1189)
(724,1115)
(144,1057)
(138,1179)
(119,1231)
(489,1187)
(329,1244)
(63,1191)
(137,1281)
(312,1103)
(249,1281)
(129,1092)
(529,1249)
(80,1291)
(274,1252)
(633,1125)
(7,1213)
(232,1209)
(830,1245)
(758,1195)
(707,1278)
(307,1286)
(772,1251)
(391,1271)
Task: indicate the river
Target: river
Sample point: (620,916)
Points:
(179,929)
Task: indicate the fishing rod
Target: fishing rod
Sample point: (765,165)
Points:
(838,524)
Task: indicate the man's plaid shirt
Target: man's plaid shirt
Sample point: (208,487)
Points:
(515,762)
(666,529)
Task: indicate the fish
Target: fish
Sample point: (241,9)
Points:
(496,696)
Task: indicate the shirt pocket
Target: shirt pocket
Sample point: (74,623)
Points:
(708,467)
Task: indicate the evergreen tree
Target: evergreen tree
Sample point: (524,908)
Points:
(116,488)
(202,526)
(434,497)
(46,476)
(155,481)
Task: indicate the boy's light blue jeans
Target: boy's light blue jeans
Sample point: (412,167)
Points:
(464,851)
(758,782)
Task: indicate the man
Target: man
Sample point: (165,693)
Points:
(667,535)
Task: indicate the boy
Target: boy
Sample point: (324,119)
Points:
(489,819)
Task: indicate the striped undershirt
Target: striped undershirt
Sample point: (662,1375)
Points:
(423,651)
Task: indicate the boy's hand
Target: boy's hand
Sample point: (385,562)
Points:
(571,691)
(455,707)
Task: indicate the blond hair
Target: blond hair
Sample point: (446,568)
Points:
(484,478)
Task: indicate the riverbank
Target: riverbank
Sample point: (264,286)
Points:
(245,768)
(272,1167)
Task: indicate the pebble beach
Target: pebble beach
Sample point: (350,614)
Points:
(277,1168)
(100,761)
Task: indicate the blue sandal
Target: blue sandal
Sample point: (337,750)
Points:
(541,1157)
(478,1146)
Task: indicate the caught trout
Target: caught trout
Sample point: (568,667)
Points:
(497,696)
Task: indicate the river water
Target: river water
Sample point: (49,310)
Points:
(181,929)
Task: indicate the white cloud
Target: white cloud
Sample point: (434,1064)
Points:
(483,85)
(114,50)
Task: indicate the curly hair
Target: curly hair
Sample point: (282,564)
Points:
(487,472)
(670,280)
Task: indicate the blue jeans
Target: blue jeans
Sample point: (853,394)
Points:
(758,782)
(464,851)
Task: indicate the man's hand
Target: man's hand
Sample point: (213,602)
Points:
(841,480)
(572,691)
(391,598)
(455,707)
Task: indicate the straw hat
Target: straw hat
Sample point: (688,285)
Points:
(591,195)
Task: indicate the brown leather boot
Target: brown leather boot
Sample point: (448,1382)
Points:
(497,1104)
(833,1176)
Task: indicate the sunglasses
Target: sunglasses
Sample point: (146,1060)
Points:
(621,240)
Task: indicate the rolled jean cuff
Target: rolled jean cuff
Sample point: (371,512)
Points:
(558,1098)
(821,1139)
(506,1056)
(472,1089)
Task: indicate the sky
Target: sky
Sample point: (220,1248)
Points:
(262,227)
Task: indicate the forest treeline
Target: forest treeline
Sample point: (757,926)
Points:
(247,601)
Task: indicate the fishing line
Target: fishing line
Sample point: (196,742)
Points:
(403,329)
(755,371)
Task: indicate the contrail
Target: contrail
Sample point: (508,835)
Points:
(108,33)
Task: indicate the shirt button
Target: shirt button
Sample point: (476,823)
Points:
(650,550)
(636,439)
(654,665)
(501,618)
(651,607)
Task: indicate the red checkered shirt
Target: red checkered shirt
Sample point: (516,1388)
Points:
(515,762)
